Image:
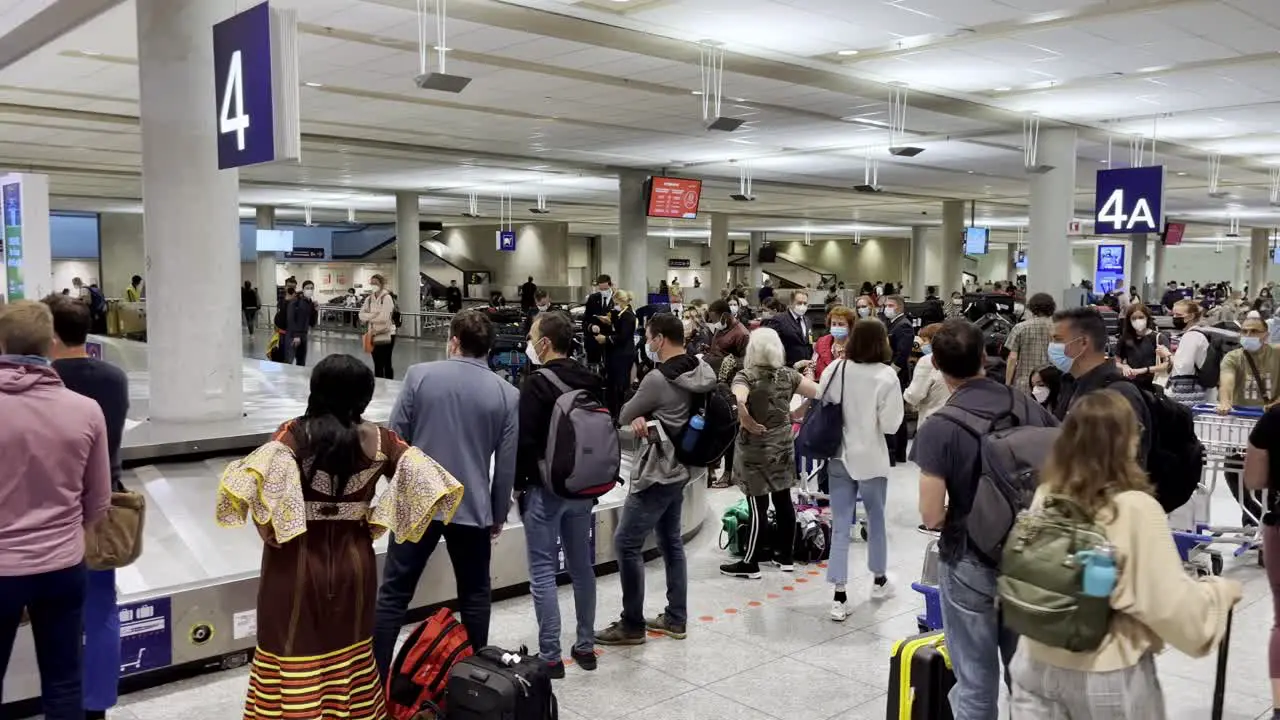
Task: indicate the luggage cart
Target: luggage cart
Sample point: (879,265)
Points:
(1225,439)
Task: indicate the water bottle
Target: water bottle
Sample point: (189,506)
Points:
(1099,571)
(691,433)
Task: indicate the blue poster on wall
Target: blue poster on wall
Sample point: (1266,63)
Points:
(146,636)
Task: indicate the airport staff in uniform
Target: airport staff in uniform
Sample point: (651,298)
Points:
(598,303)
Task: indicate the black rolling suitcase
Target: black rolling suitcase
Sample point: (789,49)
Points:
(920,678)
(496,684)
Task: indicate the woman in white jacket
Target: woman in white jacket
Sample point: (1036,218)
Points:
(868,390)
(928,391)
(379,312)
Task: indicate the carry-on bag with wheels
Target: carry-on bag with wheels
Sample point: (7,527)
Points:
(920,677)
(497,684)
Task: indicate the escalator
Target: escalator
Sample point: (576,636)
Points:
(779,281)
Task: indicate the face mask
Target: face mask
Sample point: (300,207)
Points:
(716,326)
(543,308)
(532,352)
(308,292)
(1179,323)
(1139,324)
(926,349)
(891,312)
(376,287)
(956,301)
(1058,356)
(677,309)
(606,296)
(1251,344)
(801,309)
(733,310)
(651,354)
(1040,393)
(839,333)
(864,311)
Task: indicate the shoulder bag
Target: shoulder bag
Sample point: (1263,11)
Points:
(822,432)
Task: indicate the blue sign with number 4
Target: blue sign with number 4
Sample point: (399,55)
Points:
(242,78)
(1128,201)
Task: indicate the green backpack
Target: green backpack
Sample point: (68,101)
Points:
(1042,578)
(736,519)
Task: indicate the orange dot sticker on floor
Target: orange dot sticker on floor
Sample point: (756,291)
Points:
(822,565)
(731,611)
(788,588)
(654,635)
(707,618)
(754,603)
(773,596)
(802,580)
(815,573)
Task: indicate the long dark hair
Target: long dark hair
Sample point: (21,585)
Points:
(329,431)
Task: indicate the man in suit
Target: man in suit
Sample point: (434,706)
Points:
(794,329)
(453,297)
(599,303)
(902,339)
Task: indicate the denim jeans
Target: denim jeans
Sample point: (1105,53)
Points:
(657,509)
(844,493)
(101,641)
(55,602)
(975,637)
(548,517)
(470,549)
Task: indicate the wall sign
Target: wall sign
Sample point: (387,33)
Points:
(12,198)
(506,241)
(678,262)
(255,58)
(305,253)
(24,237)
(146,636)
(1129,201)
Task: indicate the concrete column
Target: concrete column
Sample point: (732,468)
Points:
(952,248)
(191,208)
(719,254)
(1138,265)
(1259,249)
(610,259)
(1157,269)
(1052,210)
(408,285)
(656,261)
(633,235)
(753,259)
(919,251)
(267,266)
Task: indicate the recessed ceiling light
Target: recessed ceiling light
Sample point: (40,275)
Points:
(1182,173)
(697,92)
(437,48)
(313,84)
(1003,88)
(847,53)
(90,52)
(970,172)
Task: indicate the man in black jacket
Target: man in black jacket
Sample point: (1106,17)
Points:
(794,330)
(453,297)
(902,338)
(301,315)
(547,515)
(598,303)
(528,292)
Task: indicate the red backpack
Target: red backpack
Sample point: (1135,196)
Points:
(420,673)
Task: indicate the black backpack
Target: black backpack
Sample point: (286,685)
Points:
(1176,455)
(1210,371)
(719,411)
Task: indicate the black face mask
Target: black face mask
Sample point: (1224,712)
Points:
(1179,323)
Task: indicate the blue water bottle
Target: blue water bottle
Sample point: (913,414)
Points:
(1099,571)
(691,433)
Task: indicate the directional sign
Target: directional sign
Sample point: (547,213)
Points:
(1129,201)
(506,241)
(255,58)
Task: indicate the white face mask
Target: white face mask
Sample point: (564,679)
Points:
(532,353)
(733,309)
(1139,324)
(543,308)
(308,292)
(890,312)
(956,301)
(864,311)
(801,309)
(1040,393)
(716,326)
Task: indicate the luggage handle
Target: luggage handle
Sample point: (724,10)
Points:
(1220,684)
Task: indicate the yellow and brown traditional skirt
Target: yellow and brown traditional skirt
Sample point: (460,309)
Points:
(342,684)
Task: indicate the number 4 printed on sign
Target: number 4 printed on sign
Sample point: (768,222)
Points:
(233,100)
(1113,213)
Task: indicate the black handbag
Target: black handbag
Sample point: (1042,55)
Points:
(822,431)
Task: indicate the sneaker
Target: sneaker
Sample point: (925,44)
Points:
(742,569)
(839,611)
(925,529)
(585,660)
(672,630)
(619,634)
(883,592)
(783,566)
(556,670)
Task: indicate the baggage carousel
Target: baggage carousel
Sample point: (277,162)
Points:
(188,604)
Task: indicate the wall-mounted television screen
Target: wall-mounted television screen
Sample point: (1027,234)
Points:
(275,241)
(674,197)
(1021,262)
(1173,233)
(975,240)
(1275,256)
(1110,258)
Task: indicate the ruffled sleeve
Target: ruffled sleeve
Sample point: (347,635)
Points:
(420,490)
(268,485)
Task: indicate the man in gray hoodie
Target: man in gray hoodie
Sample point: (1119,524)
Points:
(665,397)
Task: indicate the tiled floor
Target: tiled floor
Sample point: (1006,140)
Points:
(765,649)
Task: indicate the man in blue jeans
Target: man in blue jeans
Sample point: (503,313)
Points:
(657,483)
(463,416)
(552,523)
(948,456)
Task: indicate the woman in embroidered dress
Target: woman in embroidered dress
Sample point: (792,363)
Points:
(310,491)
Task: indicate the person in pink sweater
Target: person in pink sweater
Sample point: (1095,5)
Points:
(56,482)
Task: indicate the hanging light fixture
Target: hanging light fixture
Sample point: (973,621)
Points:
(870,176)
(473,206)
(1031,146)
(744,184)
(440,79)
(1215,177)
(898,122)
(712,61)
(541,207)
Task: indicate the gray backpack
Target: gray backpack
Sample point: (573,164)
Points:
(1011,453)
(583,458)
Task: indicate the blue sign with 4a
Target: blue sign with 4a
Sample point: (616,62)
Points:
(1129,201)
(242,79)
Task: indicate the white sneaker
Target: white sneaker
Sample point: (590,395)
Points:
(784,568)
(839,611)
(883,592)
